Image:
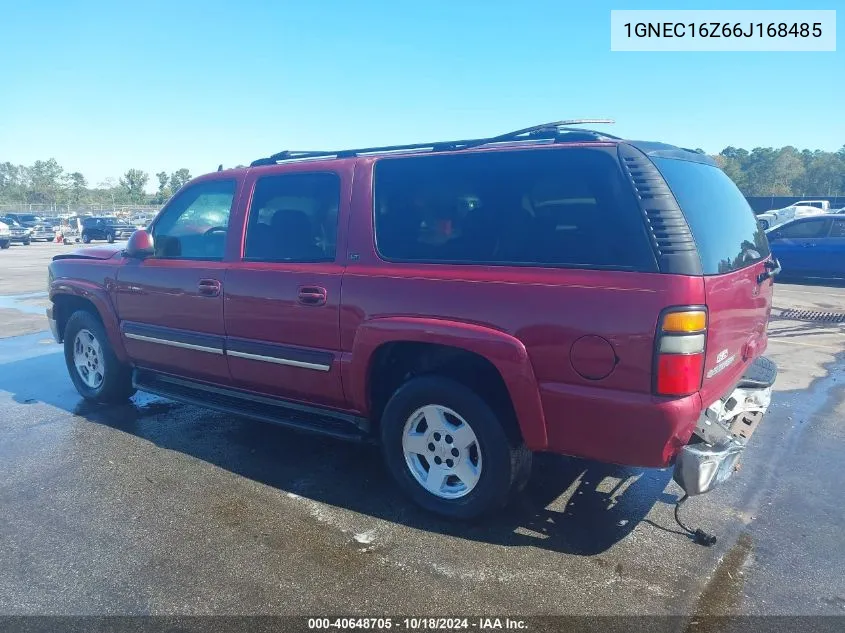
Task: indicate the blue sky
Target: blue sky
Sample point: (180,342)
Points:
(103,86)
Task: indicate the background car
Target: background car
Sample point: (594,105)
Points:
(19,233)
(810,246)
(27,220)
(774,218)
(105,228)
(43,230)
(5,235)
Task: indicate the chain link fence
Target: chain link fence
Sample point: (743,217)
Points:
(54,210)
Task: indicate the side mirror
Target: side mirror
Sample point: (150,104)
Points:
(140,245)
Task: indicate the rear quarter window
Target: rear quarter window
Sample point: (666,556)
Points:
(722,223)
(568,207)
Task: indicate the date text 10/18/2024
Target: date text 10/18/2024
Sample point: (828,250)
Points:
(418,624)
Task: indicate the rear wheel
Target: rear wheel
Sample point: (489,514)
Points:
(447,449)
(26,242)
(86,239)
(5,245)
(110,238)
(95,371)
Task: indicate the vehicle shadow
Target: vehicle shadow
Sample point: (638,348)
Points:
(571,506)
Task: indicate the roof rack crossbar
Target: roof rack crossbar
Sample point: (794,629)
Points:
(552,129)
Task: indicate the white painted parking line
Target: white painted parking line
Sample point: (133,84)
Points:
(823,291)
(827,347)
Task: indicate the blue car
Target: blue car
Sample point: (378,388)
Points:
(810,247)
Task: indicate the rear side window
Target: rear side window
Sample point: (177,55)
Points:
(723,225)
(838,229)
(560,207)
(293,218)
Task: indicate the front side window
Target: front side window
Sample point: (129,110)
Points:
(194,224)
(804,229)
(551,207)
(293,218)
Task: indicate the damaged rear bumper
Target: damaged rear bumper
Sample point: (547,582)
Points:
(723,430)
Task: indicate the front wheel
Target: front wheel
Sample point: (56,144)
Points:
(110,238)
(447,449)
(26,242)
(86,239)
(95,371)
(5,245)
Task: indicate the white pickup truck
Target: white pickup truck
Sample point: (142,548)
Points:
(800,209)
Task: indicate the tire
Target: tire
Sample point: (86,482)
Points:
(110,238)
(5,245)
(86,239)
(27,242)
(116,383)
(503,465)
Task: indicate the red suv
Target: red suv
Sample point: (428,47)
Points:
(463,303)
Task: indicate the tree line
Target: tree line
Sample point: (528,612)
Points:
(45,182)
(763,171)
(785,172)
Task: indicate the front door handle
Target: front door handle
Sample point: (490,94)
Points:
(209,287)
(312,295)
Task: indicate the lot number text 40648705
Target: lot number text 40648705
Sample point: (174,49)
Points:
(418,624)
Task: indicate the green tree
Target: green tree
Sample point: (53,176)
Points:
(12,183)
(733,162)
(45,181)
(178,179)
(787,172)
(133,183)
(77,187)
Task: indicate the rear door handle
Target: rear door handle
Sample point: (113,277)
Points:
(209,287)
(312,296)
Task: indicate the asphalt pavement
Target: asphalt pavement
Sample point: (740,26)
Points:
(160,508)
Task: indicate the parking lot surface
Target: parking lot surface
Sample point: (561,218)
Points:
(161,508)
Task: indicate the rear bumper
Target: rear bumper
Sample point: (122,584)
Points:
(723,430)
(619,427)
(636,429)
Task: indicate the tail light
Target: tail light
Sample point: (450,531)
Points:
(680,345)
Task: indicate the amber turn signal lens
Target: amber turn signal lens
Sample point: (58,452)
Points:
(692,321)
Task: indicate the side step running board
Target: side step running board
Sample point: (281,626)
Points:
(760,374)
(289,414)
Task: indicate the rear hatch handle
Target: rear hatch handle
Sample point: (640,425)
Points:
(772,269)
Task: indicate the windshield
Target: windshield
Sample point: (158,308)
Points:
(724,227)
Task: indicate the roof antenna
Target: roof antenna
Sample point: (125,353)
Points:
(220,168)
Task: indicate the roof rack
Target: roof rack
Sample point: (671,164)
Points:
(557,131)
